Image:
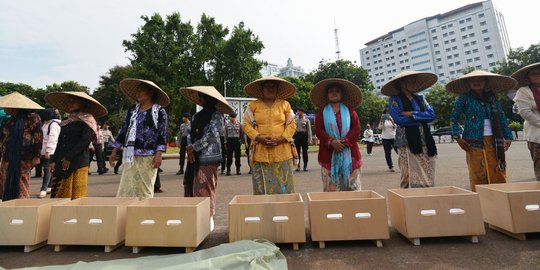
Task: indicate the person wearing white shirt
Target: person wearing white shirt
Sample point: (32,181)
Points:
(51,131)
(104,135)
(388,127)
(369,139)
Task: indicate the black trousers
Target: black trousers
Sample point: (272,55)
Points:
(100,157)
(183,145)
(369,147)
(157,184)
(223,153)
(248,144)
(301,142)
(388,145)
(233,147)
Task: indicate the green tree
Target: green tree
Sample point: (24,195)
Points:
(301,98)
(372,106)
(518,58)
(173,54)
(442,103)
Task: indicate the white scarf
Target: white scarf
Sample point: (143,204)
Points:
(131,136)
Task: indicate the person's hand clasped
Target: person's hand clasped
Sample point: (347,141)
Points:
(337,145)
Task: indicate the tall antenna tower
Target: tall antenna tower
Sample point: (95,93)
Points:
(338,52)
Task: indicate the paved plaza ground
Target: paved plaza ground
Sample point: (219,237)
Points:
(494,251)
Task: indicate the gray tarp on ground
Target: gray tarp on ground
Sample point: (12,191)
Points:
(259,254)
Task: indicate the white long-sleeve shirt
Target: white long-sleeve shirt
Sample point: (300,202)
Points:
(51,131)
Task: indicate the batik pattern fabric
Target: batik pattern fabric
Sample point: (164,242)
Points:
(273,178)
(534,149)
(205,183)
(24,182)
(417,170)
(482,165)
(138,180)
(329,186)
(73,186)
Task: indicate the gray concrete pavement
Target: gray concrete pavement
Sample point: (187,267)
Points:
(495,251)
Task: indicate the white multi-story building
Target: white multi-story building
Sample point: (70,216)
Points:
(470,36)
(288,71)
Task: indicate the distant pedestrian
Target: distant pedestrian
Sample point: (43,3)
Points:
(183,132)
(338,128)
(412,113)
(388,134)
(233,141)
(528,104)
(369,139)
(302,137)
(51,131)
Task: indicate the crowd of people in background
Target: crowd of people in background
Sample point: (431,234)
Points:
(276,139)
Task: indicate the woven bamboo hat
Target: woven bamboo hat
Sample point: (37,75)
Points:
(59,100)
(285,88)
(192,93)
(352,95)
(495,82)
(17,100)
(424,80)
(130,86)
(522,73)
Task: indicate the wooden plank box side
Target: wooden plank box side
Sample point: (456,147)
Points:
(243,209)
(26,221)
(441,222)
(512,206)
(325,226)
(99,221)
(181,222)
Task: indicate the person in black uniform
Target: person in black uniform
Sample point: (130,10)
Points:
(302,137)
(233,137)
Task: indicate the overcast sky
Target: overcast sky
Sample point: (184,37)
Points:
(43,42)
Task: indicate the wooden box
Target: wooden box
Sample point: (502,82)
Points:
(277,218)
(436,211)
(168,222)
(512,208)
(25,222)
(89,221)
(351,215)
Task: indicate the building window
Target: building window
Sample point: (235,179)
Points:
(457,63)
(486,39)
(453,40)
(481,15)
(484,31)
(439,59)
(437,52)
(477,59)
(454,48)
(492,64)
(463,29)
(417,49)
(471,35)
(473,42)
(449,57)
(467,52)
(451,32)
(436,45)
(418,41)
(452,72)
(450,25)
(456,55)
(417,35)
(420,55)
(446,42)
(468,19)
(466,45)
(488,47)
(479,67)
(445,35)
(434,38)
(433,30)
(421,63)
(464,37)
(483,23)
(448,49)
(490,55)
(469,27)
(469,60)
(475,50)
(444,27)
(451,64)
(461,21)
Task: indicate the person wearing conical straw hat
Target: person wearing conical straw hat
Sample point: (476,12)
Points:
(486,135)
(412,113)
(527,100)
(69,163)
(338,128)
(269,123)
(143,138)
(204,145)
(20,145)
